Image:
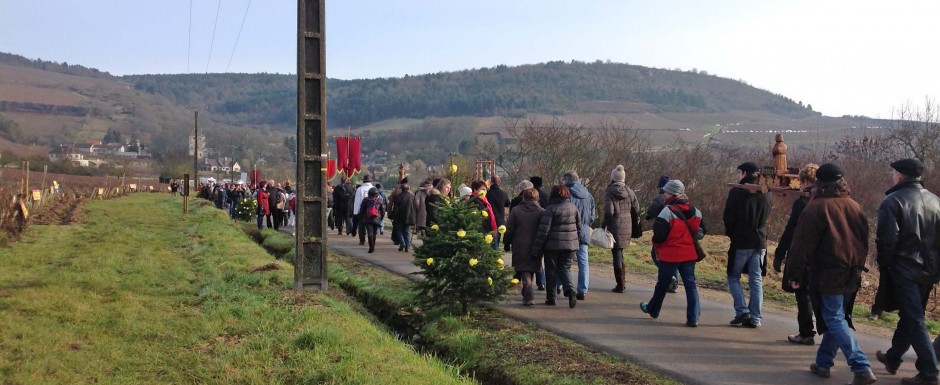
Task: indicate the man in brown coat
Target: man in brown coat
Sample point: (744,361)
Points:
(827,255)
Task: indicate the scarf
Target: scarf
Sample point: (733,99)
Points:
(489,209)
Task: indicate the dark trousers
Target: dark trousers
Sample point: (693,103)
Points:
(527,278)
(339,221)
(557,266)
(402,234)
(370,230)
(911,331)
(277,214)
(362,230)
(355,225)
(804,312)
(396,229)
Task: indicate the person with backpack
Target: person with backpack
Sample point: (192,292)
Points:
(909,250)
(827,256)
(370,216)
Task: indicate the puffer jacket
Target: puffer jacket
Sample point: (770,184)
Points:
(583,200)
(831,239)
(521,228)
(907,241)
(559,228)
(621,214)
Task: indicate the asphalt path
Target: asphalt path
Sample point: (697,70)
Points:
(712,353)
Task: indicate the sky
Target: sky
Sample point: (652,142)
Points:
(859,57)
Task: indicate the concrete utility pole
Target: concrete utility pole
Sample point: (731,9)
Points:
(311,249)
(196,150)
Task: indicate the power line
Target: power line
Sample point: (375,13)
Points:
(239,36)
(214,28)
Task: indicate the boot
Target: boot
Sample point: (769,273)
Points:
(618,276)
(866,378)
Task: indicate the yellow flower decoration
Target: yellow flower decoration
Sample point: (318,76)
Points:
(474,212)
(500,261)
(485,214)
(461,233)
(435,227)
(473,261)
(488,239)
(453,169)
(489,281)
(501,229)
(514,281)
(481,193)
(429,261)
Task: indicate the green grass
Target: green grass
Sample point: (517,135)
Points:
(140,294)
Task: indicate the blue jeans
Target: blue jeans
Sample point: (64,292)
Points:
(496,237)
(656,261)
(666,271)
(584,269)
(402,234)
(260,221)
(839,336)
(747,261)
(912,331)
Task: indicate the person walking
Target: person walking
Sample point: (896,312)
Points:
(437,197)
(370,216)
(745,215)
(909,250)
(652,212)
(827,256)
(558,239)
(804,306)
(384,200)
(341,209)
(361,193)
(499,201)
(521,229)
(421,209)
(677,227)
(622,219)
(543,195)
(403,217)
(261,195)
(480,197)
(521,187)
(582,199)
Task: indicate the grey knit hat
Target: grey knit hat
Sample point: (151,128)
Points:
(674,187)
(618,175)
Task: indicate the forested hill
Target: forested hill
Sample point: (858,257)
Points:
(554,87)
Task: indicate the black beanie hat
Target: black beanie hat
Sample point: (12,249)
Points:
(748,167)
(910,167)
(829,172)
(536,181)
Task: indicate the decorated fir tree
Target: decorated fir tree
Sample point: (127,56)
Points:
(458,262)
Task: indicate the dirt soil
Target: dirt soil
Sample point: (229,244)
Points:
(64,211)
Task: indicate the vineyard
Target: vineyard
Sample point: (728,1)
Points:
(56,198)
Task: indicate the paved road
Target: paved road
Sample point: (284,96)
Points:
(713,353)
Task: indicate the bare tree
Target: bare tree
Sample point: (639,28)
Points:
(917,131)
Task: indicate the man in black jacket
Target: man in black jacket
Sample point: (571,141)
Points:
(341,208)
(908,247)
(499,201)
(745,215)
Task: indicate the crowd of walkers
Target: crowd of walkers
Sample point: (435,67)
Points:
(275,201)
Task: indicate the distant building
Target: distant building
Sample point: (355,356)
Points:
(68,153)
(223,164)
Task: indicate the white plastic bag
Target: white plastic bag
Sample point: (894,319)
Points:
(602,238)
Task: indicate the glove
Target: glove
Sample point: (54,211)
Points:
(779,256)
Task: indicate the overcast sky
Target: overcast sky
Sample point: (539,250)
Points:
(843,57)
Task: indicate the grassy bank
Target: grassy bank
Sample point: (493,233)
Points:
(139,294)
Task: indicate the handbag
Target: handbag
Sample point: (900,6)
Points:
(699,251)
(602,238)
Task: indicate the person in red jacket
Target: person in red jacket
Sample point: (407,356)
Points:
(263,210)
(676,225)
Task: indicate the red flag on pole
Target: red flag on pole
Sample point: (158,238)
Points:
(330,168)
(342,153)
(355,156)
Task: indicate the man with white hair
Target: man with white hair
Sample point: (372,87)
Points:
(583,200)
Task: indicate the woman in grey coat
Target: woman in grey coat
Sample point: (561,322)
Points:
(521,228)
(622,219)
(558,238)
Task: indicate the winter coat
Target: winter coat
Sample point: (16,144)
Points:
(361,193)
(488,223)
(421,209)
(368,202)
(559,228)
(582,199)
(671,236)
(831,240)
(907,240)
(515,202)
(434,200)
(745,216)
(621,214)
(499,200)
(263,207)
(521,229)
(656,206)
(341,198)
(404,211)
(783,247)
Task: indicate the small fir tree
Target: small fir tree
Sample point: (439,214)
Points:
(458,262)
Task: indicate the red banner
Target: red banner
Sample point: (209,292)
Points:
(330,168)
(355,156)
(342,152)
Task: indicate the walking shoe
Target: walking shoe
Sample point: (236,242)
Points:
(572,301)
(691,324)
(867,378)
(528,303)
(371,249)
(644,307)
(741,319)
(401,247)
(824,373)
(751,324)
(673,286)
(917,380)
(559,291)
(550,302)
(798,339)
(540,288)
(617,289)
(883,358)
(580,296)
